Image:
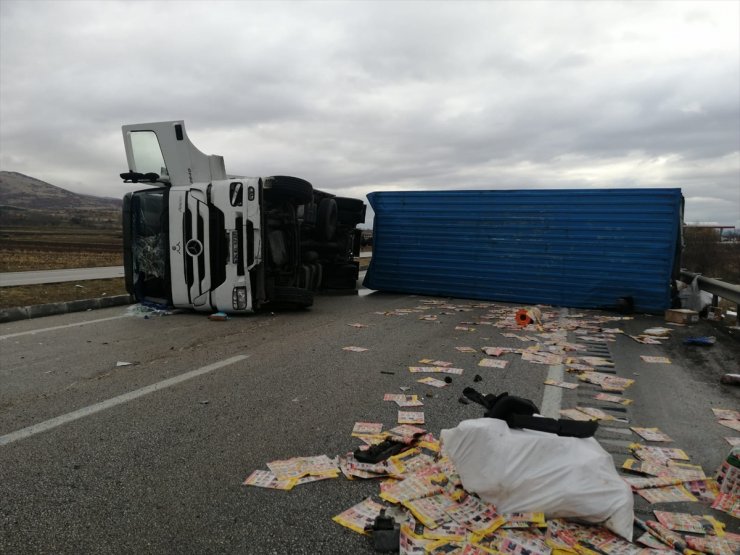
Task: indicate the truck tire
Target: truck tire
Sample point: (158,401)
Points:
(291,189)
(326,219)
(293,296)
(351,211)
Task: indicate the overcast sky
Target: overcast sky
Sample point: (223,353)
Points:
(359,97)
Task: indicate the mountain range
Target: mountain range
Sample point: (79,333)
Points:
(27,193)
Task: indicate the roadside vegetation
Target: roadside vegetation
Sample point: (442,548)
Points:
(27,295)
(705,254)
(27,248)
(73,245)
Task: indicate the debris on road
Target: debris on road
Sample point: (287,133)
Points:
(577,477)
(596,414)
(366,428)
(732,424)
(655,360)
(266,479)
(575,414)
(361,516)
(651,434)
(564,385)
(685,522)
(147,310)
(403,400)
(681,316)
(436,370)
(407,417)
(430,362)
(608,382)
(355,349)
(730,379)
(493,363)
(434,382)
(726,414)
(706,341)
(385,533)
(219,317)
(526,316)
(437,503)
(612,399)
(657,332)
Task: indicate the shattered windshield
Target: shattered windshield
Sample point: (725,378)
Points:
(149,245)
(147,153)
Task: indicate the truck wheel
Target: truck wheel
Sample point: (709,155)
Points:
(294,296)
(292,189)
(326,219)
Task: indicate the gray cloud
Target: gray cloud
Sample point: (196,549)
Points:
(367,96)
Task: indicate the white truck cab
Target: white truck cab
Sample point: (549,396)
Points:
(199,238)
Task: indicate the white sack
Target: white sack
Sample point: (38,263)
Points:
(525,470)
(692,297)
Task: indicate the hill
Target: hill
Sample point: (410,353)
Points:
(22,191)
(27,202)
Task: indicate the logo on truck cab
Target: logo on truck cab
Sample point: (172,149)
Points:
(194,247)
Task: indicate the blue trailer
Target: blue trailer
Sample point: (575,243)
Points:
(584,248)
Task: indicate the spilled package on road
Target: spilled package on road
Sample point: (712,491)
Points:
(521,471)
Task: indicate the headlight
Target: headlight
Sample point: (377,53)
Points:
(239,298)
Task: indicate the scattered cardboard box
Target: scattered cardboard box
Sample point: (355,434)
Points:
(681,316)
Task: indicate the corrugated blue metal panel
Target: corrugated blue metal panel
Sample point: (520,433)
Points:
(570,247)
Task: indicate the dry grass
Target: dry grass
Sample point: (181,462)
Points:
(705,254)
(40,248)
(28,260)
(26,249)
(26,295)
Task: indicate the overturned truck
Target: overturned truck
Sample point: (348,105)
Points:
(199,238)
(587,248)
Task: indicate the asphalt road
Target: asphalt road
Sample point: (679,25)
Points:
(159,470)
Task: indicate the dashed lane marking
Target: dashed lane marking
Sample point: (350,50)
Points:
(125,398)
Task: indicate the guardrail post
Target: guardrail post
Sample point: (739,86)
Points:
(718,289)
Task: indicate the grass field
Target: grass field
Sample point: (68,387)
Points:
(26,295)
(24,249)
(43,248)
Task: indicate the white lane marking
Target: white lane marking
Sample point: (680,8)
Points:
(42,330)
(552,399)
(623,431)
(103,405)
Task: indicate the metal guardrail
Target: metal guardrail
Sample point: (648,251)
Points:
(716,287)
